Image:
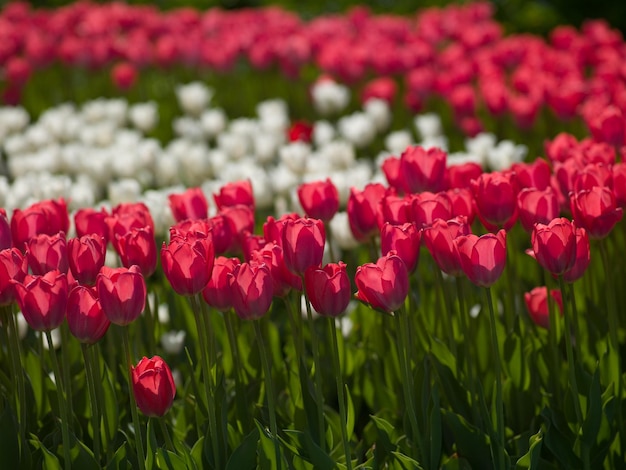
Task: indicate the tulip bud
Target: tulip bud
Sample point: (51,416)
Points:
(85,317)
(384,285)
(404,240)
(596,211)
(554,245)
(187,263)
(138,246)
(217,291)
(43,299)
(328,289)
(122,293)
(537,304)
(13,267)
(153,386)
(251,290)
(482,258)
(86,256)
(303,244)
(320,199)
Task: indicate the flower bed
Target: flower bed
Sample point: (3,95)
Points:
(336,268)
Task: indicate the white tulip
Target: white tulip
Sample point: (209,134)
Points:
(428,125)
(194,97)
(144,116)
(379,112)
(329,97)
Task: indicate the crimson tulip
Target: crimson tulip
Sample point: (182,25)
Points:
(273,228)
(595,210)
(187,264)
(303,244)
(240,219)
(533,175)
(364,212)
(234,194)
(85,317)
(86,255)
(217,291)
(300,131)
(397,209)
(619,184)
(153,386)
(426,207)
(554,245)
(122,293)
(583,257)
(319,199)
(439,239)
(138,246)
(391,168)
(460,176)
(328,288)
(423,170)
(191,204)
(45,217)
(482,258)
(384,285)
(127,216)
(43,299)
(283,280)
(537,206)
(462,203)
(537,304)
(404,240)
(46,253)
(251,290)
(5,231)
(13,268)
(88,221)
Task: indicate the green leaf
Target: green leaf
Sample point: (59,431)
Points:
(245,456)
(34,372)
(455,393)
(266,449)
(9,445)
(593,420)
(119,460)
(50,461)
(435,436)
(406,462)
(307,449)
(515,362)
(151,444)
(387,434)
(530,460)
(169,460)
(349,413)
(196,452)
(471,443)
(110,409)
(559,444)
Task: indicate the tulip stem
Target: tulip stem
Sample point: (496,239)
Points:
(133,404)
(65,430)
(65,361)
(95,406)
(15,353)
(166,434)
(409,388)
(499,451)
(94,361)
(332,331)
(319,396)
(269,389)
(447,318)
(150,323)
(244,415)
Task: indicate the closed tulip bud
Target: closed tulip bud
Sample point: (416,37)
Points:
(85,317)
(404,240)
(217,291)
(439,238)
(364,211)
(462,203)
(596,211)
(86,256)
(191,204)
(153,386)
(303,244)
(397,210)
(138,246)
(320,199)
(251,290)
(554,245)
(47,253)
(234,194)
(13,268)
(423,170)
(460,176)
(393,173)
(583,257)
(495,195)
(383,285)
(537,305)
(328,289)
(43,299)
(122,293)
(537,206)
(482,258)
(187,264)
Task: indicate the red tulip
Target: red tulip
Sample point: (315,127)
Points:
(320,199)
(583,257)
(125,217)
(47,253)
(423,170)
(537,304)
(45,217)
(273,229)
(251,290)
(5,231)
(384,285)
(393,173)
(187,264)
(495,195)
(240,220)
(191,204)
(221,234)
(283,280)
(328,289)
(462,203)
(554,245)
(122,293)
(533,175)
(85,317)
(439,238)
(537,206)
(198,228)
(397,209)
(217,291)
(404,240)
(43,299)
(235,193)
(89,221)
(153,386)
(482,258)
(608,125)
(13,267)
(426,207)
(619,184)
(138,246)
(86,256)
(303,244)
(460,176)
(596,211)
(364,212)
(300,131)
(124,75)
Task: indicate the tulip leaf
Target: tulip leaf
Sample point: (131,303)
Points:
(308,450)
(515,362)
(530,459)
(110,408)
(151,444)
(82,457)
(196,453)
(349,412)
(470,442)
(556,440)
(405,462)
(245,456)
(9,445)
(435,437)
(455,393)
(34,372)
(593,420)
(119,460)
(387,436)
(166,459)
(266,448)
(50,461)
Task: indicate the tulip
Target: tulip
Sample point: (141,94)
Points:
(460,176)
(153,386)
(85,317)
(364,213)
(533,175)
(462,203)
(251,290)
(124,75)
(45,217)
(42,299)
(423,170)
(273,229)
(439,239)
(122,293)
(554,245)
(404,240)
(138,246)
(482,258)
(300,131)
(187,264)
(537,304)
(328,288)
(13,268)
(537,206)
(234,194)
(89,221)
(86,256)
(191,204)
(608,126)
(303,244)
(320,199)
(596,211)
(393,174)
(397,209)
(5,231)
(46,253)
(495,195)
(240,219)
(283,280)
(619,184)
(384,285)
(426,207)
(217,291)
(125,217)
(583,257)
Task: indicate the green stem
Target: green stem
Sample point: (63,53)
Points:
(133,404)
(15,352)
(498,372)
(65,362)
(553,339)
(447,317)
(332,331)
(319,396)
(150,324)
(407,383)
(95,406)
(238,370)
(94,361)
(65,430)
(208,381)
(166,434)
(269,387)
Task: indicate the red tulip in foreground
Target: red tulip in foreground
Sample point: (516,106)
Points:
(86,257)
(482,258)
(303,244)
(537,304)
(138,246)
(234,194)
(583,257)
(251,289)
(495,195)
(328,288)
(217,291)
(384,284)
(187,263)
(319,199)
(439,238)
(404,240)
(153,386)
(364,212)
(122,293)
(554,245)
(85,317)
(13,267)
(42,299)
